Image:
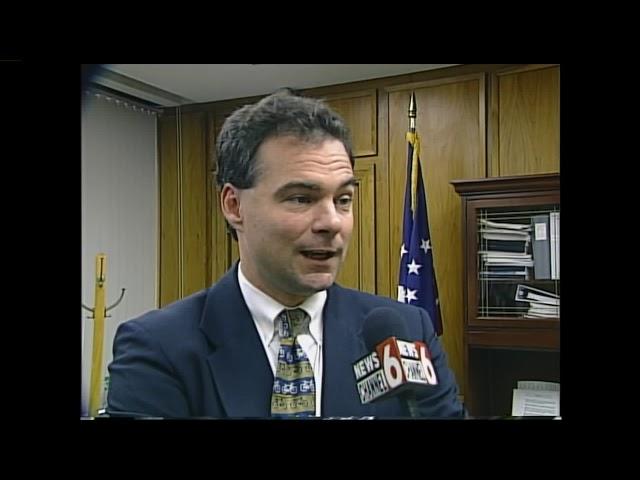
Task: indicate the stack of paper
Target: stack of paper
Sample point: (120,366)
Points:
(504,249)
(542,304)
(535,399)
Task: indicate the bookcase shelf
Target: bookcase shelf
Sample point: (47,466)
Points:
(511,286)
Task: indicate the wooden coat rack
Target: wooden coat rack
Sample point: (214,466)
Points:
(98,314)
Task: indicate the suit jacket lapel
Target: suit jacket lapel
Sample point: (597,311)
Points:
(241,370)
(343,345)
(239,365)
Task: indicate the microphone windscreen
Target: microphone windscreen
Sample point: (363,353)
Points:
(382,323)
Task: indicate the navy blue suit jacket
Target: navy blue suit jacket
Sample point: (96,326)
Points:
(202,357)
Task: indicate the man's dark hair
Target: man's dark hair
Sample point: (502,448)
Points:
(279,114)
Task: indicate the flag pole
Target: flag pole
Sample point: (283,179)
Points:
(413,110)
(412,138)
(413,285)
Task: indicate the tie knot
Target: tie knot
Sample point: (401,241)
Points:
(293,323)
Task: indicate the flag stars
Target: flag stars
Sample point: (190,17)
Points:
(403,251)
(401,294)
(411,295)
(413,267)
(425,245)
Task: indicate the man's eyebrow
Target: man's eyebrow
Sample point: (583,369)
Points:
(310,186)
(352,181)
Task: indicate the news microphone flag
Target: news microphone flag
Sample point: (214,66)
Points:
(394,367)
(417,280)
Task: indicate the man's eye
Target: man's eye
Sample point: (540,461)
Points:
(301,199)
(345,200)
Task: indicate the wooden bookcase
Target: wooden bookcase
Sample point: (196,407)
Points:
(504,339)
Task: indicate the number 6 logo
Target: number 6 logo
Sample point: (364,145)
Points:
(391,364)
(429,371)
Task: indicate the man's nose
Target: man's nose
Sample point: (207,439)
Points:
(327,218)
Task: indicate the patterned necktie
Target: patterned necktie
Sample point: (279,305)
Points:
(294,388)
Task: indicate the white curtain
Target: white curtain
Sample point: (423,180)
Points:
(119,215)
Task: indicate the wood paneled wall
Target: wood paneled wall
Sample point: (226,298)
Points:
(359,111)
(185,244)
(358,270)
(525,116)
(474,121)
(170,231)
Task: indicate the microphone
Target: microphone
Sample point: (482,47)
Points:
(395,365)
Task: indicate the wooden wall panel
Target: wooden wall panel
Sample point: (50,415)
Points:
(169,268)
(194,195)
(359,110)
(358,270)
(183,205)
(450,123)
(526,121)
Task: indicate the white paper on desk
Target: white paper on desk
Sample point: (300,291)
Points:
(538,385)
(535,403)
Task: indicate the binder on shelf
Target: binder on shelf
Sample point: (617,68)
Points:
(541,247)
(542,304)
(527,292)
(504,225)
(515,246)
(554,234)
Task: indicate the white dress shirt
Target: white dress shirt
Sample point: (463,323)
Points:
(265,310)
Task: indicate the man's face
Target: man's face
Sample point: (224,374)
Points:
(295,223)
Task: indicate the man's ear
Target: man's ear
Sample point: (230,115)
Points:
(230,205)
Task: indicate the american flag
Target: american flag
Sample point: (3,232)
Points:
(417,279)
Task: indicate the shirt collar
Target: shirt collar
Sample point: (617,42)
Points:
(264,309)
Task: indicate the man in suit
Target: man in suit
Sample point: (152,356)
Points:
(285,173)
